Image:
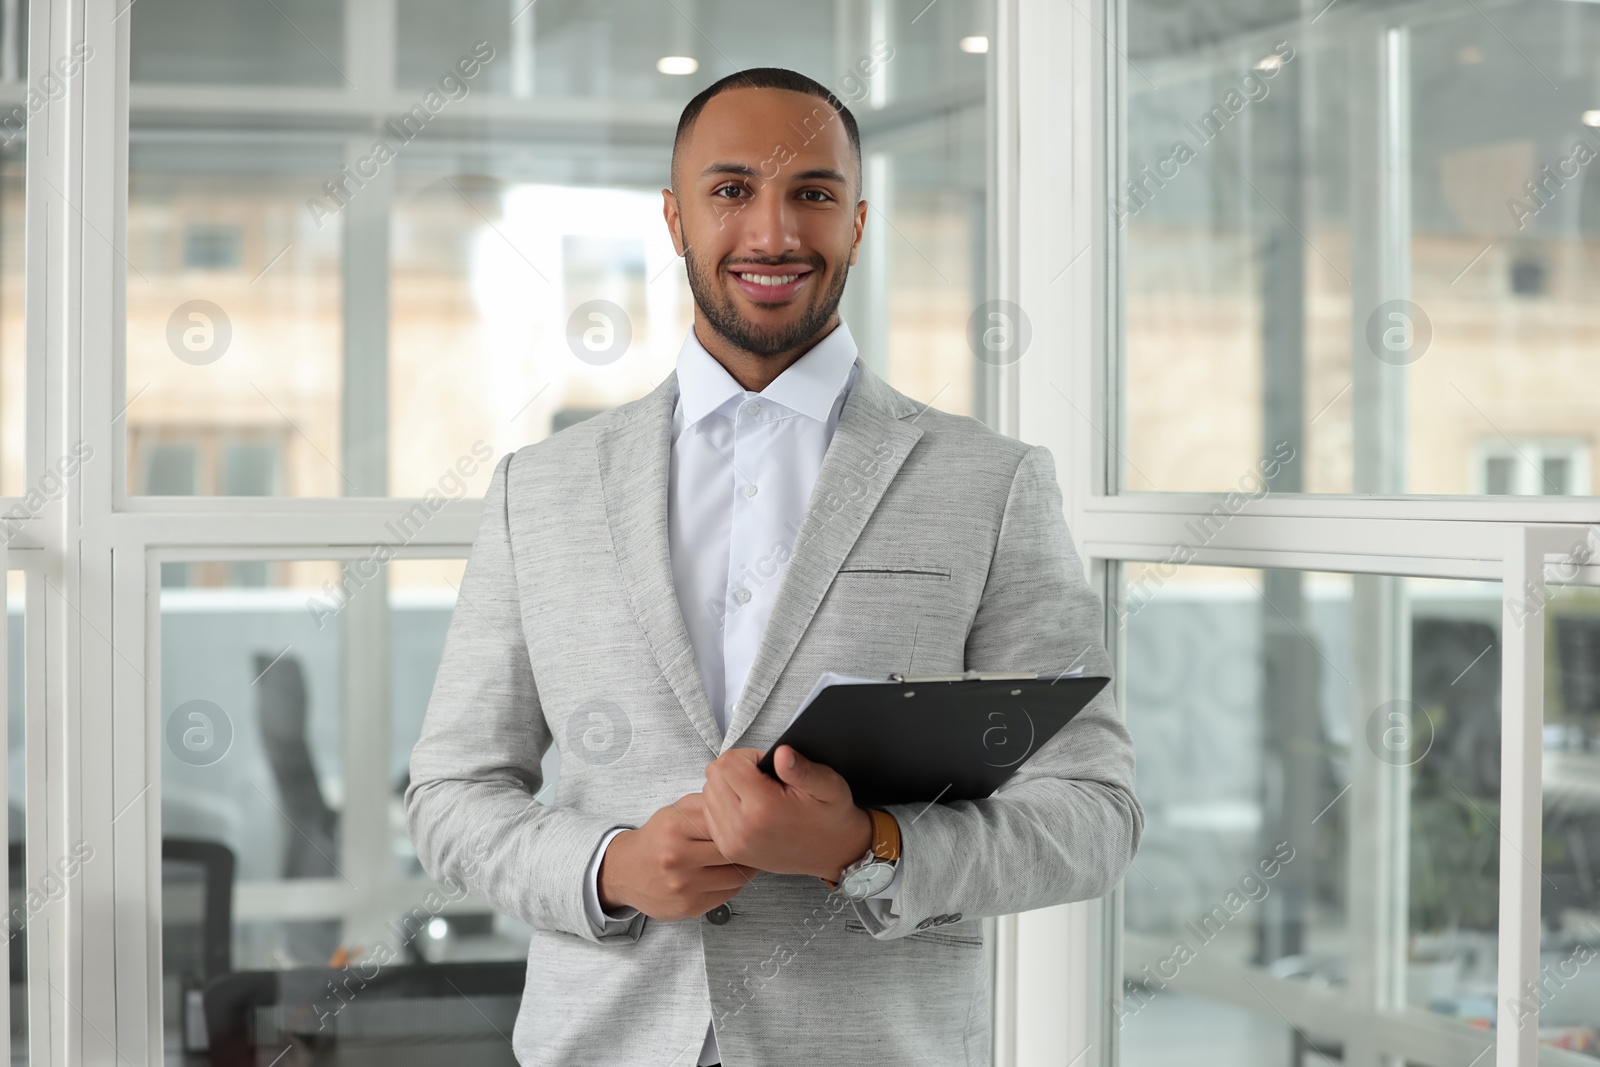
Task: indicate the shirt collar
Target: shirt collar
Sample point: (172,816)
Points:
(809,385)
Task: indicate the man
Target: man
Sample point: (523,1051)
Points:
(666,581)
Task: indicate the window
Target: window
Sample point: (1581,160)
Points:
(383,243)
(1358,230)
(1537,466)
(1267,707)
(1346,253)
(289,709)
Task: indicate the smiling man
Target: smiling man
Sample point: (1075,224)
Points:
(656,589)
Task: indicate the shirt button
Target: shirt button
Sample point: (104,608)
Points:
(742,595)
(718,915)
(750,490)
(753,407)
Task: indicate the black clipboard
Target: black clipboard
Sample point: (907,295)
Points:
(936,737)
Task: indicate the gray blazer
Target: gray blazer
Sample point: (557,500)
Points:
(931,544)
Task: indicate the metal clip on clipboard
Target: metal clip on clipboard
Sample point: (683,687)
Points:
(969,676)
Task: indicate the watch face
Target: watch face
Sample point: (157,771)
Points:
(873,878)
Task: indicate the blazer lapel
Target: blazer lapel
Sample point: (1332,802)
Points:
(634,454)
(868,447)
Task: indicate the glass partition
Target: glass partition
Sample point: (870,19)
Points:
(24,901)
(292,694)
(1568,993)
(20,99)
(1316,751)
(360,241)
(1368,230)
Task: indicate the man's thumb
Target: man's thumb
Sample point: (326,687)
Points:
(794,769)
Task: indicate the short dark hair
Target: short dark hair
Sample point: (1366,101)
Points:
(766,78)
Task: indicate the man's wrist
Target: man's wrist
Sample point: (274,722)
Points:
(608,901)
(855,846)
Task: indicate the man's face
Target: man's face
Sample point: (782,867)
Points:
(766,216)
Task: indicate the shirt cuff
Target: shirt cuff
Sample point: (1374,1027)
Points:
(609,922)
(882,902)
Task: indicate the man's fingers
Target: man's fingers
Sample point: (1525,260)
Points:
(691,817)
(738,771)
(717,791)
(797,771)
(731,875)
(736,756)
(705,854)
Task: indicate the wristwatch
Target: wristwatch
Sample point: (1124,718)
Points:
(873,872)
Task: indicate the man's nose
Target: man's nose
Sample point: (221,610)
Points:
(770,224)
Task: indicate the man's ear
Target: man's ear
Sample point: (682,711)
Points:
(860,228)
(671,212)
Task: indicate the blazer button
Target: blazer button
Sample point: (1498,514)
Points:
(924,924)
(955,918)
(718,915)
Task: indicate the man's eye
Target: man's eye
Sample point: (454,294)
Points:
(822,196)
(734,189)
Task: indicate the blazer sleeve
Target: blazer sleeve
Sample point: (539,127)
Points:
(1066,826)
(470,804)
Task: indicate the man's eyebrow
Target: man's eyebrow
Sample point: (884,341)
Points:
(743,169)
(746,171)
(821,173)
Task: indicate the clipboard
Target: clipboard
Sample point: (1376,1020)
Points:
(938,737)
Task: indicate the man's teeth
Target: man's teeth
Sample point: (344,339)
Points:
(770,279)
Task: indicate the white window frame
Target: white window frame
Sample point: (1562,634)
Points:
(1059,970)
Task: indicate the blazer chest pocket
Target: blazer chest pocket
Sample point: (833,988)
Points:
(929,571)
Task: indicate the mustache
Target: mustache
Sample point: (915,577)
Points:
(783,261)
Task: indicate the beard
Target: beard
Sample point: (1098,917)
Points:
(723,316)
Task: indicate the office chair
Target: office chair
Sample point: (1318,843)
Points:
(282,710)
(196,929)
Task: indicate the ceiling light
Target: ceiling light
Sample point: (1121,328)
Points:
(1269,64)
(1592,117)
(975,46)
(677,64)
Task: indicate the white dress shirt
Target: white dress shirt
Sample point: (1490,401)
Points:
(742,469)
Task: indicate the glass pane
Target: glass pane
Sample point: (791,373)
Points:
(13,156)
(1291,726)
(1366,235)
(292,694)
(354,298)
(51,886)
(608,49)
(1568,993)
(230,384)
(238,42)
(1174,1026)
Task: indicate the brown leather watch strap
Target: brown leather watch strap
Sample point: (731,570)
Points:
(885,835)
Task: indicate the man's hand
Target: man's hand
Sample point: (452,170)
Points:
(805,824)
(669,868)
